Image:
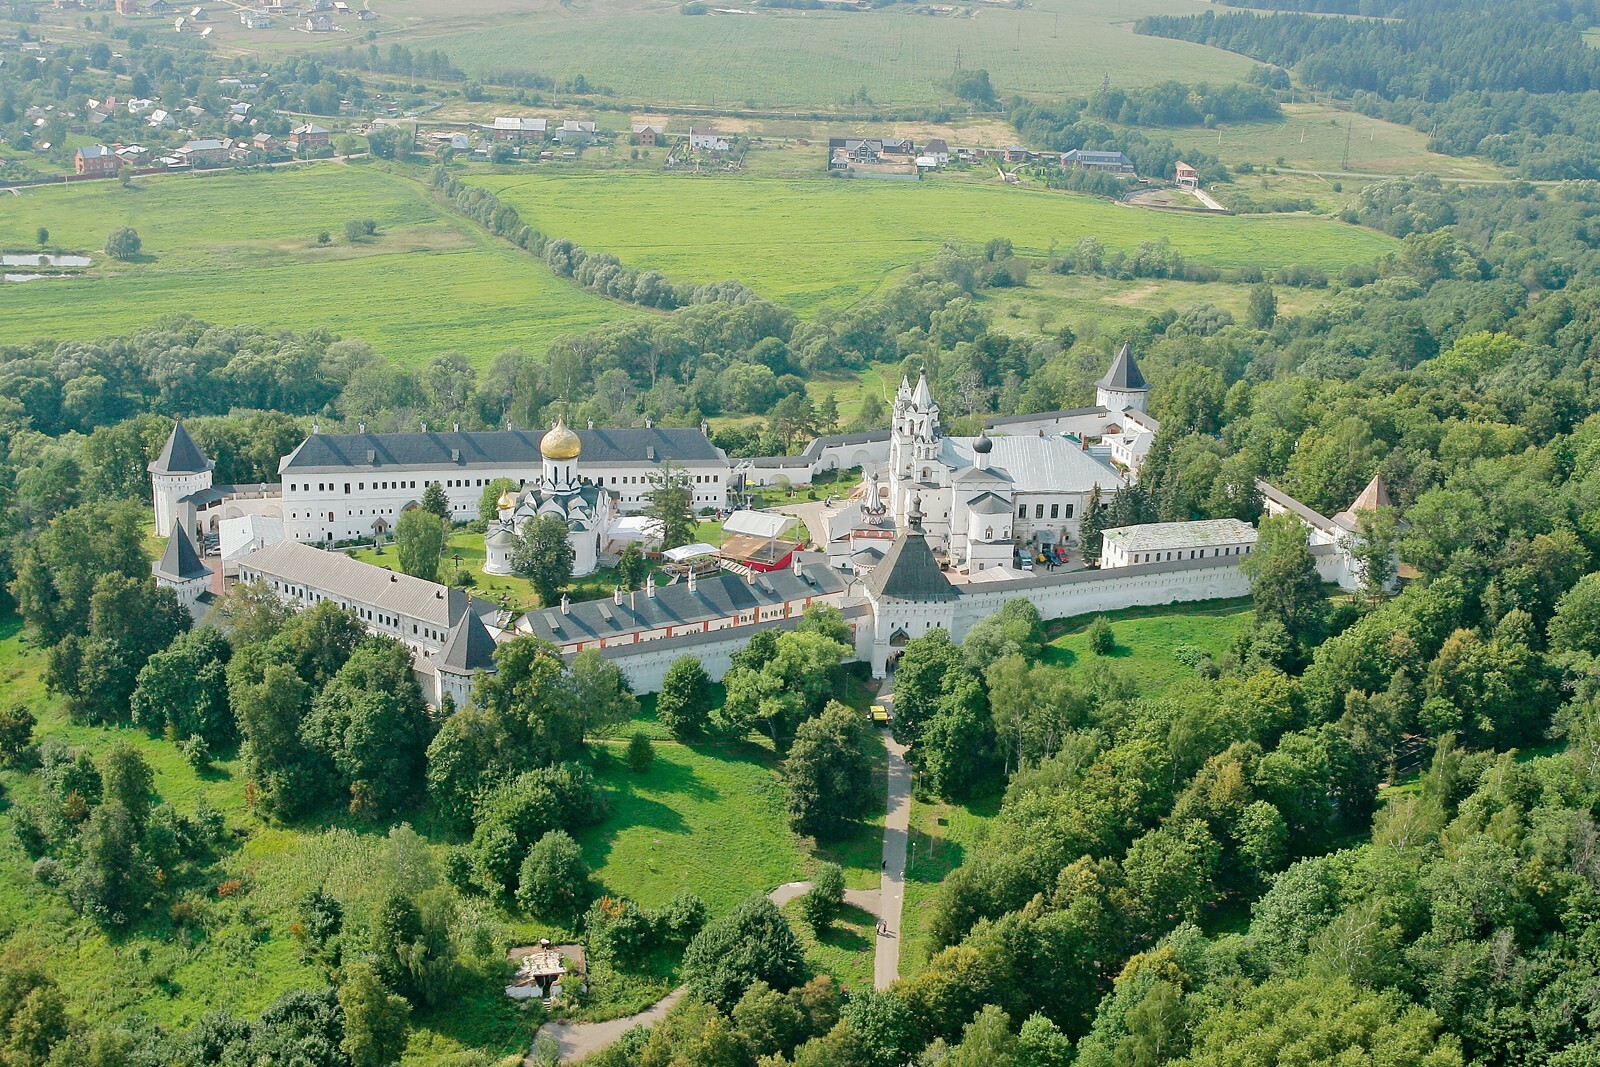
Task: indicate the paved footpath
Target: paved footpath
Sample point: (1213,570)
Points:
(896,828)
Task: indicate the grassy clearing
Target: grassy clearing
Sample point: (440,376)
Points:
(242,248)
(1314,137)
(845,949)
(1146,639)
(941,837)
(1097,305)
(806,242)
(505,589)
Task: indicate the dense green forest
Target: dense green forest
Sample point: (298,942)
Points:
(1510,84)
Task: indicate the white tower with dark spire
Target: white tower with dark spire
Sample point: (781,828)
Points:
(179,470)
(1123,387)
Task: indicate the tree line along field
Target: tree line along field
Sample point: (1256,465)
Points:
(732,55)
(803,243)
(242,248)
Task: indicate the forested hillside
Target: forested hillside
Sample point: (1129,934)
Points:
(1509,83)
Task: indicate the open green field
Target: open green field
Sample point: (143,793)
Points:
(806,242)
(649,51)
(1314,137)
(241,248)
(1146,639)
(1094,305)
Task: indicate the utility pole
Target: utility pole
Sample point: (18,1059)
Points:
(1349,126)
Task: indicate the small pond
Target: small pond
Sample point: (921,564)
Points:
(41,259)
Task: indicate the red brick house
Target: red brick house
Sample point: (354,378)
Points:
(96,161)
(646,135)
(309,138)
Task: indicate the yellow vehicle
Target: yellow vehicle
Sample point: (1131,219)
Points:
(880,714)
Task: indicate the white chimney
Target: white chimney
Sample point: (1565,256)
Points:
(616,595)
(455,427)
(566,605)
(650,586)
(693,580)
(795,563)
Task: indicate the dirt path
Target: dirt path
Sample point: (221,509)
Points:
(577,1040)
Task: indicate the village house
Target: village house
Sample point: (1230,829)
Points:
(128,8)
(203,152)
(95,161)
(704,140)
(135,155)
(1014,153)
(577,132)
(265,142)
(162,120)
(1106,162)
(255,20)
(320,22)
(646,135)
(938,150)
(140,105)
(309,138)
(1186,176)
(513,130)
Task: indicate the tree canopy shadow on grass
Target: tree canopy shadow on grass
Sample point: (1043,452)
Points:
(845,931)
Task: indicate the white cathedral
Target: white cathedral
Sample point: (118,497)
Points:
(982,499)
(589,510)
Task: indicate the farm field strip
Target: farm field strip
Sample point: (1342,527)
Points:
(804,243)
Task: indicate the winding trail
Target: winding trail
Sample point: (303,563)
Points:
(577,1040)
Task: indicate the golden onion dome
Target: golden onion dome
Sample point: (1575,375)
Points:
(507,500)
(560,443)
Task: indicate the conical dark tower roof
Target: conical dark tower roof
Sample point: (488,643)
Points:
(180,562)
(180,455)
(1124,373)
(469,646)
(908,570)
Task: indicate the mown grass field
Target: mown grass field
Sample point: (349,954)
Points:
(829,240)
(1314,137)
(1096,305)
(777,58)
(242,248)
(1147,638)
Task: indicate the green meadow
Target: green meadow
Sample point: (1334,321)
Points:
(804,243)
(736,56)
(242,248)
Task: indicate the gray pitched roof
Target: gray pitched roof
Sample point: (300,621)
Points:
(180,455)
(337,575)
(468,648)
(180,562)
(909,571)
(715,597)
(494,448)
(1124,372)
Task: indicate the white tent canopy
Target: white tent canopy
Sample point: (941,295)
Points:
(683,552)
(757,523)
